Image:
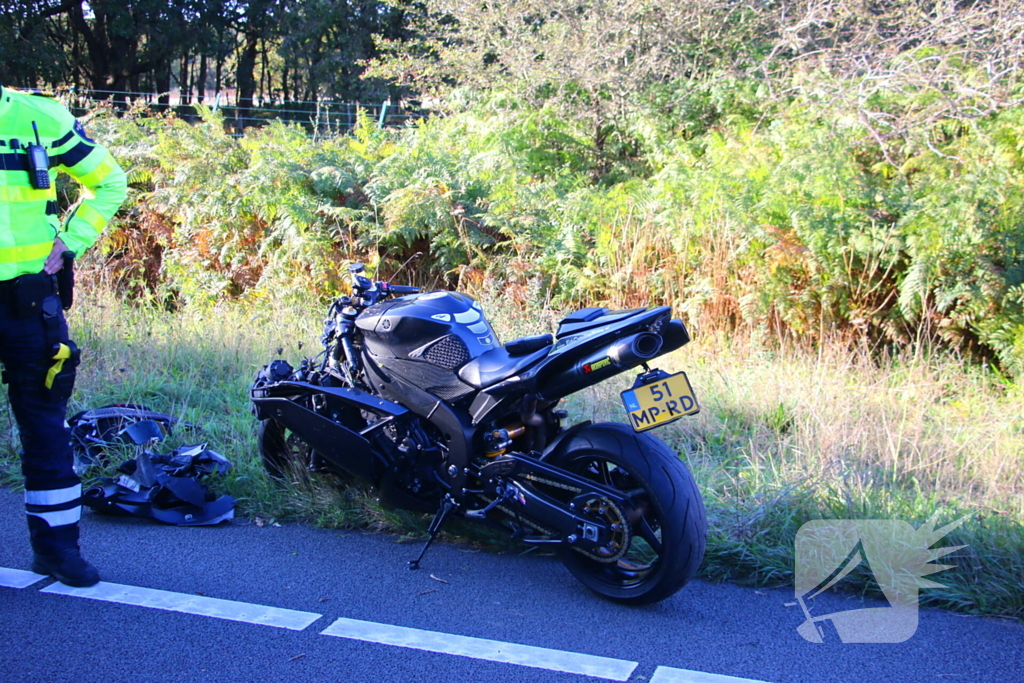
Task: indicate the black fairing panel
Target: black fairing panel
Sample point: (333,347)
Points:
(426,338)
(410,326)
(342,446)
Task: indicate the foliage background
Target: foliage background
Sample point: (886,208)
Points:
(779,219)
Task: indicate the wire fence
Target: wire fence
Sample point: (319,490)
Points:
(318,117)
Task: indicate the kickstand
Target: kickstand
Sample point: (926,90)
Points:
(435,527)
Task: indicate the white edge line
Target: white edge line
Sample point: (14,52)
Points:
(190,604)
(666,674)
(479,648)
(18,578)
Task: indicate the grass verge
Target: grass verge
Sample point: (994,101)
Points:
(783,438)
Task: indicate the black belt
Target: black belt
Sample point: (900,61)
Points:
(7,287)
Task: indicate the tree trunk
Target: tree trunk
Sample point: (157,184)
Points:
(184,86)
(265,90)
(201,84)
(246,80)
(119,85)
(162,78)
(219,67)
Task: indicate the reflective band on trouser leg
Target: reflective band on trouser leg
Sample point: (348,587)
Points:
(59,517)
(56,507)
(54,497)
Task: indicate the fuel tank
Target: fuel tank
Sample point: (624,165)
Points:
(426,338)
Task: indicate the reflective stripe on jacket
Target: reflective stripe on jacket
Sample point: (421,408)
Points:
(28,220)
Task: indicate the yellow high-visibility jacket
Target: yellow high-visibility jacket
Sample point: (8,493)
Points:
(28,217)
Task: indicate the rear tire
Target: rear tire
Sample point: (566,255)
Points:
(669,525)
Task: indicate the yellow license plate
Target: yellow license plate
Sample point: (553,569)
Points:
(665,400)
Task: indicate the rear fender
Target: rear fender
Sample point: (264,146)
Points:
(567,433)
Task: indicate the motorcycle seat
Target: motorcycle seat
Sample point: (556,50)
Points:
(589,318)
(499,364)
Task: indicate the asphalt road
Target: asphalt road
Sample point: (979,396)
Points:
(720,629)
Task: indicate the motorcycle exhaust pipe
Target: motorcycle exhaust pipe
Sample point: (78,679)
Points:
(635,350)
(602,364)
(675,335)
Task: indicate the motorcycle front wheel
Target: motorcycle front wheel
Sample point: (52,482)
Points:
(284,453)
(668,522)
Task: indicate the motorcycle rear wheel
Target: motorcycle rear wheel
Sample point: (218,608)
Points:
(669,524)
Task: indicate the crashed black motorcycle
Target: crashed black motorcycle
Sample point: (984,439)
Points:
(414,393)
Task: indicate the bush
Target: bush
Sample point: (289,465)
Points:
(799,223)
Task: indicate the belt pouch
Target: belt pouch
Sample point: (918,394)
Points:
(29,293)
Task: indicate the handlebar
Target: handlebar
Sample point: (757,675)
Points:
(340,322)
(397,290)
(370,292)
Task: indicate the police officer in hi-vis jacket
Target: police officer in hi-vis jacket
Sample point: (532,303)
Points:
(39,137)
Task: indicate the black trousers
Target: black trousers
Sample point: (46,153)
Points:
(53,491)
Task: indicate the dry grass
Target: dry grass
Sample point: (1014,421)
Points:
(783,436)
(933,425)
(786,437)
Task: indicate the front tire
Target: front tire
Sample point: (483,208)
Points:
(284,454)
(669,525)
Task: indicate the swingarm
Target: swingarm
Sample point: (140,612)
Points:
(563,506)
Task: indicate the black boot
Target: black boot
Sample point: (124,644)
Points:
(67,566)
(56,554)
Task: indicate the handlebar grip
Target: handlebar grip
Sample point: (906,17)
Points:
(401,290)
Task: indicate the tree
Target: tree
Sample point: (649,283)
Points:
(593,58)
(959,60)
(307,48)
(258,22)
(125,38)
(331,40)
(34,42)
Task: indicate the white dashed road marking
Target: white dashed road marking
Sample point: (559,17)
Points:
(368,631)
(18,578)
(190,604)
(666,674)
(479,648)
